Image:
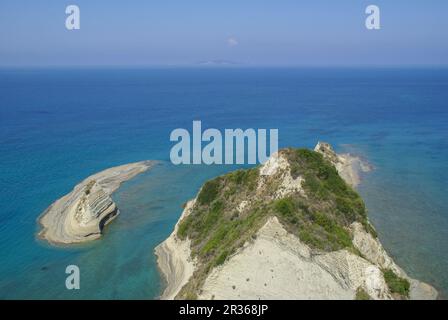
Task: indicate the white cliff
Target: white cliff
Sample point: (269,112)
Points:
(174,259)
(276,264)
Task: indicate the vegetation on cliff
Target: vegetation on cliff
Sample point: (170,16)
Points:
(396,284)
(231,208)
(361,294)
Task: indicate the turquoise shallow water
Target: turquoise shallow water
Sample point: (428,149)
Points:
(59,126)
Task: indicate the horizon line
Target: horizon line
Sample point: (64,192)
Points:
(233,66)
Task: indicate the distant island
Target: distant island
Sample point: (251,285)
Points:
(82,214)
(218,63)
(293,228)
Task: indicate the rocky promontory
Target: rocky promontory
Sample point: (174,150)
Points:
(293,228)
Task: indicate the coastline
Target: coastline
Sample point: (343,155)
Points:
(404,193)
(81,215)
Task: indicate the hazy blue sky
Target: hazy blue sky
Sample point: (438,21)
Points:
(250,32)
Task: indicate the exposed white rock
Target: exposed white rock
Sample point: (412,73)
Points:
(275,164)
(288,269)
(374,283)
(349,167)
(81,215)
(276,266)
(422,291)
(278,166)
(174,259)
(372,249)
(243,205)
(289,186)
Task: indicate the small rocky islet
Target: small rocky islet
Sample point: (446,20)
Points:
(82,214)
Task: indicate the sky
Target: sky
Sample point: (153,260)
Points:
(242,32)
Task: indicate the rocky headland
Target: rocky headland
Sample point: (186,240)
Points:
(293,228)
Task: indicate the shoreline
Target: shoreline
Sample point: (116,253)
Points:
(81,215)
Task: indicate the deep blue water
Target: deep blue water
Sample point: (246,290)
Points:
(59,126)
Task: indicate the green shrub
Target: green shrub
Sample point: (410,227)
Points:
(243,176)
(342,237)
(285,206)
(184,225)
(209,191)
(396,284)
(191,296)
(287,209)
(210,218)
(313,185)
(222,258)
(325,222)
(308,237)
(338,237)
(361,294)
(216,239)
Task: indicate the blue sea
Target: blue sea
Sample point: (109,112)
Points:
(58,126)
